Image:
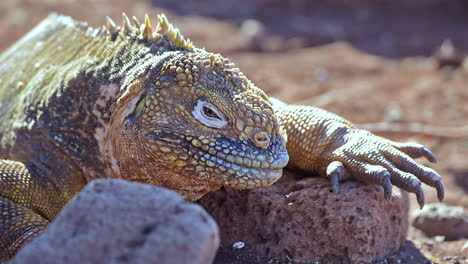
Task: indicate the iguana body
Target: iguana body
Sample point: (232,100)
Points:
(143,104)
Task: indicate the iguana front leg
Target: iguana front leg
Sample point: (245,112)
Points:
(18,225)
(28,201)
(330,145)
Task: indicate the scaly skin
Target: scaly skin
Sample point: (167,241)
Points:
(145,105)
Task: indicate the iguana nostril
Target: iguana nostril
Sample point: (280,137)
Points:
(261,139)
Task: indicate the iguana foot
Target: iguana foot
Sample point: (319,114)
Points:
(376,160)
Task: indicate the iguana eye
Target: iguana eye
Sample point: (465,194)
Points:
(210,112)
(209,115)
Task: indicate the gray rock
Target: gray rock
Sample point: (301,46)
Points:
(115,221)
(304,220)
(442,220)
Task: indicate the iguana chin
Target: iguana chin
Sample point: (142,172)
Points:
(143,104)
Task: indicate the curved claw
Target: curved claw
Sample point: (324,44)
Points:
(335,182)
(335,171)
(420,196)
(387,188)
(415,150)
(422,173)
(428,155)
(440,190)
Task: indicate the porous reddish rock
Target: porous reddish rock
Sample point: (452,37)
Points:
(303,219)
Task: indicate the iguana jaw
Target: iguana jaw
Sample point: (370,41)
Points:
(238,163)
(219,160)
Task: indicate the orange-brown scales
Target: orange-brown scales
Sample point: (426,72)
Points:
(142,103)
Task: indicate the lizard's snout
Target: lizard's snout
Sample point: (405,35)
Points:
(261,139)
(281,161)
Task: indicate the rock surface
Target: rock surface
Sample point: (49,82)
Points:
(442,220)
(303,219)
(114,221)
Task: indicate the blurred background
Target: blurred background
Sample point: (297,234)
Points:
(396,67)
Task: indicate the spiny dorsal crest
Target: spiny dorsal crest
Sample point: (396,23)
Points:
(145,30)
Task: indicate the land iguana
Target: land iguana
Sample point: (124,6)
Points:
(144,104)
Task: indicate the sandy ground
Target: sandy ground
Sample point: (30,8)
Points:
(369,61)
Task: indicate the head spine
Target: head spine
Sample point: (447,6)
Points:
(145,31)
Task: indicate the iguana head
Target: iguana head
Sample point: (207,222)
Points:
(197,123)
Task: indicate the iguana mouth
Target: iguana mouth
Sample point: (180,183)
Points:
(253,168)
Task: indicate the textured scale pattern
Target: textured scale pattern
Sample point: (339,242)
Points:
(131,102)
(25,206)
